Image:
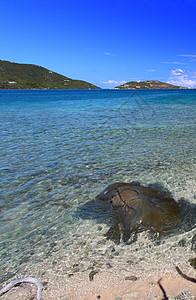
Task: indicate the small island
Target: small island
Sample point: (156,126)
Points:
(17,76)
(150,84)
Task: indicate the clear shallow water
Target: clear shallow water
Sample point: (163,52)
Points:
(59,149)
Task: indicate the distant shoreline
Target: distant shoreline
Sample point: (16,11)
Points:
(99,89)
(17,76)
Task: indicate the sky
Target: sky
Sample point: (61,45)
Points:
(104,42)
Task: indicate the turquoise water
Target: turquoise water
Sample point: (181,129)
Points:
(59,149)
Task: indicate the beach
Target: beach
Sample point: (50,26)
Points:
(123,286)
(59,150)
(110,286)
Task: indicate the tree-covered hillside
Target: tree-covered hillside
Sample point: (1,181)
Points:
(150,84)
(27,76)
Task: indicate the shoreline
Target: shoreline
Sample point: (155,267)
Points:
(109,285)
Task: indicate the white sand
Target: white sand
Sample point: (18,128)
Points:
(108,285)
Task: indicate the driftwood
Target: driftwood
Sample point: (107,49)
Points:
(181,274)
(162,289)
(32,280)
(185,276)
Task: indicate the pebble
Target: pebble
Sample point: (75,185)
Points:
(131,278)
(92,274)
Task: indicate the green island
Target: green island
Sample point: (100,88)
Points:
(28,76)
(150,84)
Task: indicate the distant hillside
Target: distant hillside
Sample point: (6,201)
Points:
(27,76)
(148,85)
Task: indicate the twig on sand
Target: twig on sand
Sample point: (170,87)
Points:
(185,276)
(162,288)
(32,280)
(92,274)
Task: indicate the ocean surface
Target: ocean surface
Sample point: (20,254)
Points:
(59,149)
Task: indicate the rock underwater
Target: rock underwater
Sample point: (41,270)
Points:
(138,208)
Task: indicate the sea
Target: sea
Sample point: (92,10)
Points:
(60,148)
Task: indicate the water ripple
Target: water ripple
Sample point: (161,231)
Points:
(58,150)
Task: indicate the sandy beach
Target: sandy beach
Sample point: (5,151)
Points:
(119,286)
(109,286)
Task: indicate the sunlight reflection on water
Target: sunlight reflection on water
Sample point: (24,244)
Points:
(59,149)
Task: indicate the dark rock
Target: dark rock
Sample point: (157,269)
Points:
(131,278)
(182,243)
(130,262)
(137,208)
(112,249)
(109,265)
(193,242)
(92,274)
(113,233)
(193,262)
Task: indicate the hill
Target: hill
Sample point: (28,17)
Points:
(28,76)
(153,84)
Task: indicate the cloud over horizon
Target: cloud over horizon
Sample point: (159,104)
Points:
(173,63)
(113,82)
(183,78)
(188,55)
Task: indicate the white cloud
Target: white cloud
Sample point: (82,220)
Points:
(108,54)
(183,78)
(172,63)
(113,82)
(177,72)
(151,70)
(188,55)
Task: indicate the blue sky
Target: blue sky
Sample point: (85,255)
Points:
(105,42)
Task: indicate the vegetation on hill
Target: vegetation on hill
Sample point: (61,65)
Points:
(27,76)
(153,84)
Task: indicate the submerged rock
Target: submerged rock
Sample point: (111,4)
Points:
(193,262)
(193,242)
(140,208)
